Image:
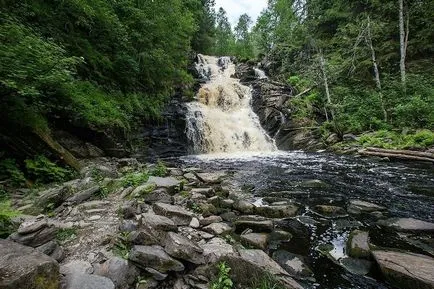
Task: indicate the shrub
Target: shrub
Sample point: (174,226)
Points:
(223,280)
(160,169)
(42,170)
(6,214)
(9,170)
(135,179)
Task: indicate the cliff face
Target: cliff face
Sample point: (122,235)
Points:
(270,104)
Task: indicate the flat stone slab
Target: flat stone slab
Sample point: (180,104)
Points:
(277,211)
(218,228)
(257,224)
(407,225)
(406,270)
(158,222)
(25,267)
(215,249)
(256,240)
(154,257)
(169,183)
(180,247)
(358,207)
(211,178)
(177,214)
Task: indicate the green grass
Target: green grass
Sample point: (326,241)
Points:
(421,139)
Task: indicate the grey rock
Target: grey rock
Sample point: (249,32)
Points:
(313,184)
(218,228)
(156,274)
(128,225)
(37,238)
(53,250)
(358,244)
(129,209)
(86,281)
(329,211)
(227,203)
(257,224)
(195,223)
(211,219)
(158,222)
(179,215)
(208,192)
(244,207)
(358,207)
(211,178)
(406,270)
(277,211)
(216,249)
(407,225)
(82,196)
(256,240)
(229,216)
(169,183)
(145,237)
(293,264)
(154,257)
(25,267)
(119,271)
(158,196)
(31,226)
(182,248)
(356,266)
(76,267)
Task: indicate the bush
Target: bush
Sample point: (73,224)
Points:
(421,139)
(160,169)
(223,280)
(135,179)
(9,171)
(42,170)
(6,214)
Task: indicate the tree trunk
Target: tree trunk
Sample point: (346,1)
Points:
(376,71)
(402,41)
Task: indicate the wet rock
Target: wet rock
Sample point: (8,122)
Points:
(293,264)
(256,223)
(82,196)
(25,267)
(244,207)
(313,184)
(157,222)
(179,215)
(216,249)
(256,263)
(119,271)
(86,281)
(406,270)
(356,266)
(158,196)
(218,229)
(211,178)
(190,177)
(279,235)
(182,248)
(154,257)
(255,240)
(211,219)
(169,183)
(407,225)
(358,244)
(330,211)
(37,238)
(358,207)
(277,211)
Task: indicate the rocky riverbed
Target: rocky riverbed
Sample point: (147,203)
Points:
(112,228)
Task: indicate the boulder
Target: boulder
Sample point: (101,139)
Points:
(406,270)
(211,178)
(208,192)
(25,267)
(179,215)
(195,224)
(358,207)
(157,222)
(169,183)
(277,211)
(84,195)
(251,264)
(144,236)
(356,266)
(86,281)
(36,238)
(119,271)
(158,196)
(218,229)
(53,250)
(216,249)
(180,247)
(358,244)
(293,264)
(407,225)
(328,211)
(154,257)
(244,207)
(255,240)
(257,224)
(211,219)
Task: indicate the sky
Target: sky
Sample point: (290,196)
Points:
(235,8)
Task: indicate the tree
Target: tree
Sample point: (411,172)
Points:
(244,48)
(225,39)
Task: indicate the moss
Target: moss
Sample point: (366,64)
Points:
(44,282)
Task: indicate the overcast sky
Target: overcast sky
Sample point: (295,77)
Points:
(235,8)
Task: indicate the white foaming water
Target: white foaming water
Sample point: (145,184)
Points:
(260,74)
(221,119)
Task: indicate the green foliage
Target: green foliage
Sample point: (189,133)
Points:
(267,282)
(6,214)
(9,170)
(66,234)
(223,280)
(42,170)
(160,169)
(421,139)
(122,245)
(135,179)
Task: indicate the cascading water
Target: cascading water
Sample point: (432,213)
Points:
(221,119)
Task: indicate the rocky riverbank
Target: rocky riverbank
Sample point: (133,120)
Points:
(115,227)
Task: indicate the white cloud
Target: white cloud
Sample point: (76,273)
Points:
(235,8)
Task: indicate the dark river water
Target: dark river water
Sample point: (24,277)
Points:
(406,189)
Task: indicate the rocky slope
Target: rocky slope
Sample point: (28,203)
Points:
(112,229)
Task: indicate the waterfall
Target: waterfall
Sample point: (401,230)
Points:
(260,73)
(221,118)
